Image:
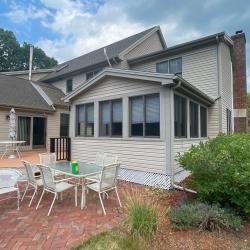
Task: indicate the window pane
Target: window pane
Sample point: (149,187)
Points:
(117,118)
(64,125)
(90,120)
(194,130)
(175,66)
(152,123)
(23,133)
(69,85)
(203,118)
(137,116)
(80,120)
(162,67)
(180,116)
(105,118)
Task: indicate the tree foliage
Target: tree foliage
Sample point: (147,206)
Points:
(15,56)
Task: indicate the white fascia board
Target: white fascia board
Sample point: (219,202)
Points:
(43,94)
(140,75)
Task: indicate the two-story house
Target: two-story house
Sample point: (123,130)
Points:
(145,102)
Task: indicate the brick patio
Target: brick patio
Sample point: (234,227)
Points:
(66,227)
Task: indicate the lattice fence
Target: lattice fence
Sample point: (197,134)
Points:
(145,178)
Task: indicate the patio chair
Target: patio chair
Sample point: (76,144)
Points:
(106,183)
(8,183)
(49,158)
(32,180)
(102,160)
(54,186)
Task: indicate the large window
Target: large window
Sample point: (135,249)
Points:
(173,66)
(69,86)
(23,132)
(85,120)
(203,121)
(194,119)
(180,116)
(111,118)
(145,115)
(229,121)
(64,125)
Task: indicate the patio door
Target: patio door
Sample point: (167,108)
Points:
(24,129)
(39,132)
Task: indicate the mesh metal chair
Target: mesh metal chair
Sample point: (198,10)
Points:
(32,180)
(109,159)
(8,183)
(102,160)
(106,183)
(54,186)
(49,158)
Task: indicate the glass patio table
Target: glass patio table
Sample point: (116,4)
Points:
(85,170)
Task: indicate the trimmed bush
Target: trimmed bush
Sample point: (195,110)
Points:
(221,171)
(204,216)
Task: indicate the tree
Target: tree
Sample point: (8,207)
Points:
(248,110)
(16,57)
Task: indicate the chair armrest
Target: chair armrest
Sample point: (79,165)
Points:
(66,179)
(90,179)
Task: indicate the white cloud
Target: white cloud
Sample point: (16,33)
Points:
(19,14)
(83,31)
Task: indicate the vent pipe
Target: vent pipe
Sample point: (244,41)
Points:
(107,58)
(30,62)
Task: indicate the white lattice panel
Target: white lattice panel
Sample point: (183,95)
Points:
(145,178)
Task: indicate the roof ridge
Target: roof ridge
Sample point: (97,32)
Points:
(147,30)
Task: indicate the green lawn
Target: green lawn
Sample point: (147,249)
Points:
(109,241)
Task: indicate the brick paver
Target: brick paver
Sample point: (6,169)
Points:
(66,227)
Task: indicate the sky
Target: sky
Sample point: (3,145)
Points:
(66,29)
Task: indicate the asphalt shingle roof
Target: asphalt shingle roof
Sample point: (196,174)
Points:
(95,57)
(53,93)
(17,92)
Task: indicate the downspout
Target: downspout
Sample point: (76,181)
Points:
(219,82)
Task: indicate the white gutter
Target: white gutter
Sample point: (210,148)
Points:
(43,94)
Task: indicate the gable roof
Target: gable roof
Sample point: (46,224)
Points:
(183,47)
(21,93)
(164,79)
(97,58)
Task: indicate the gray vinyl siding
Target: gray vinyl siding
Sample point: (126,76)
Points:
(76,79)
(4,127)
(226,83)
(145,154)
(151,44)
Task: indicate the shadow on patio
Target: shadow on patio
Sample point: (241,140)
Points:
(31,156)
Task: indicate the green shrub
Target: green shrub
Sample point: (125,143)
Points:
(141,219)
(204,216)
(221,171)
